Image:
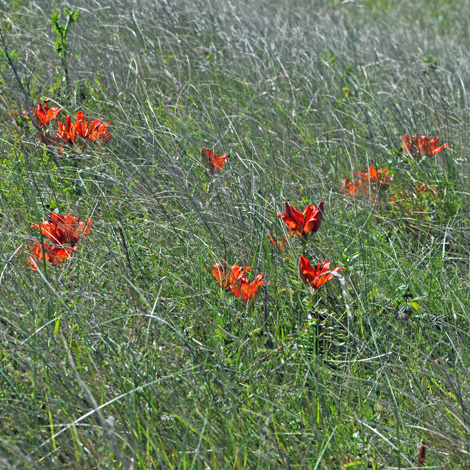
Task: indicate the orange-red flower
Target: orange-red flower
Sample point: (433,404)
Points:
(62,229)
(352,189)
(236,281)
(67,131)
(214,163)
(81,125)
(316,277)
(246,291)
(415,146)
(367,181)
(52,254)
(44,115)
(225,279)
(382,176)
(99,129)
(432,145)
(303,223)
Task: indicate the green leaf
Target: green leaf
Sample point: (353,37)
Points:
(56,327)
(75,16)
(54,18)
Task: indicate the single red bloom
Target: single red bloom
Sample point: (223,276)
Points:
(213,163)
(43,115)
(432,145)
(246,291)
(303,224)
(225,279)
(352,189)
(62,229)
(316,277)
(99,129)
(81,125)
(67,131)
(381,176)
(74,228)
(412,145)
(53,254)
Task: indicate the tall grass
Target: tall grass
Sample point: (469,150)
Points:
(129,355)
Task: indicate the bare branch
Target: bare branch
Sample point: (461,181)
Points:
(27,102)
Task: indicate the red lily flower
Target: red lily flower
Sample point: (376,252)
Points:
(415,146)
(352,189)
(74,228)
(99,129)
(53,232)
(81,125)
(67,131)
(213,163)
(432,146)
(381,176)
(303,224)
(53,254)
(316,277)
(43,115)
(246,291)
(412,145)
(62,229)
(226,280)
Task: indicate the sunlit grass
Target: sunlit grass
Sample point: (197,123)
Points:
(130,355)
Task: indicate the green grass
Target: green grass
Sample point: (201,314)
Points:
(134,330)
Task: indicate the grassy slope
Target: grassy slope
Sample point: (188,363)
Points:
(301,97)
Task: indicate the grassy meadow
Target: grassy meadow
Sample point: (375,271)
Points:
(129,355)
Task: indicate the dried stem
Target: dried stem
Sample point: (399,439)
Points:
(27,103)
(124,244)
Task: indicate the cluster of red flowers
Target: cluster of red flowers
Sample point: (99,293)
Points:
(236,281)
(367,181)
(381,179)
(302,225)
(416,146)
(299,224)
(94,130)
(64,232)
(69,130)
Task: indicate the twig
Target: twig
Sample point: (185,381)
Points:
(27,102)
(124,244)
